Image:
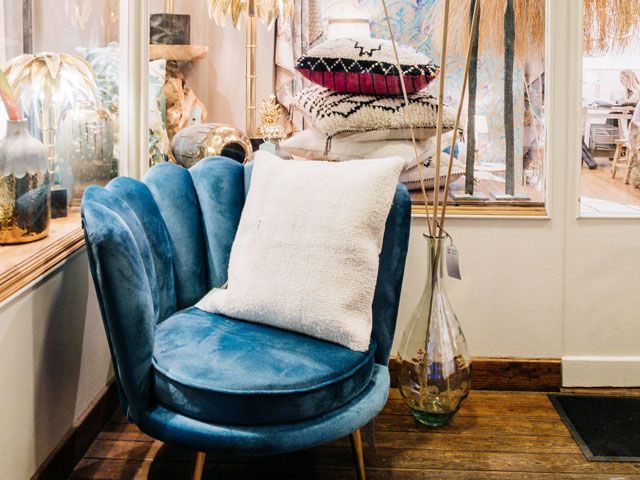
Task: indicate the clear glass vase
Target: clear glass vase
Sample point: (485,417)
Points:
(435,367)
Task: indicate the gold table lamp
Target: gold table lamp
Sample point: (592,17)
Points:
(268,11)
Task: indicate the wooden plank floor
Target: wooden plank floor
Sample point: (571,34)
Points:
(599,184)
(496,435)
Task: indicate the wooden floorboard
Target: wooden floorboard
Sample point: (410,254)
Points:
(599,184)
(497,435)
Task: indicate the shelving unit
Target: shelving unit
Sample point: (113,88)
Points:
(180,53)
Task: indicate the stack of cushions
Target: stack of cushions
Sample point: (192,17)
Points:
(306,254)
(357,109)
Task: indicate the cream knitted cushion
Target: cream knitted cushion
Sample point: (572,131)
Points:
(311,144)
(411,177)
(383,118)
(305,257)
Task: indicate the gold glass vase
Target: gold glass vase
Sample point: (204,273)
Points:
(435,367)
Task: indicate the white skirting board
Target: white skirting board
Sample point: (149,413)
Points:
(600,371)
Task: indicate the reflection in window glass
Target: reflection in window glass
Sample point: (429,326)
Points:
(501,158)
(610,179)
(61,60)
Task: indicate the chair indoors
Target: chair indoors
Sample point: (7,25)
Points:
(207,382)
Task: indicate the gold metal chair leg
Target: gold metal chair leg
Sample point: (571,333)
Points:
(356,448)
(198,466)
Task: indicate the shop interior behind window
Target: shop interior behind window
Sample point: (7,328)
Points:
(66,119)
(610,176)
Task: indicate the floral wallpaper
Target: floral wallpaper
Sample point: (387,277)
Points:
(409,21)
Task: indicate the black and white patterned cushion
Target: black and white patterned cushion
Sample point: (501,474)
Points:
(371,117)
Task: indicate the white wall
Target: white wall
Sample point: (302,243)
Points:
(509,301)
(54,361)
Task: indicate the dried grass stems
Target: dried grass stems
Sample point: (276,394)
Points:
(611,25)
(436,228)
(407,113)
(465,79)
(443,72)
(435,225)
(530,27)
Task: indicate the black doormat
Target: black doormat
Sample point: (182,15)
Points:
(607,429)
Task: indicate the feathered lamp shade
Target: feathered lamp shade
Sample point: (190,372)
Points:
(268,11)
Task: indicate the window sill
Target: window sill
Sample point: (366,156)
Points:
(24,263)
(534,211)
(532,207)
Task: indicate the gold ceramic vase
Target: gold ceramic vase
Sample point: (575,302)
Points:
(435,369)
(25,190)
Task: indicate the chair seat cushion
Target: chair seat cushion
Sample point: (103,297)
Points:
(217,369)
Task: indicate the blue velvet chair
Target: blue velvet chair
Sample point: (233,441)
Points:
(206,382)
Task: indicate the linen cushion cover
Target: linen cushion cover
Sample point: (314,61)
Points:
(311,144)
(366,66)
(411,177)
(272,376)
(384,118)
(305,257)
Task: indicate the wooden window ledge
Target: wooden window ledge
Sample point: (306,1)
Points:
(21,264)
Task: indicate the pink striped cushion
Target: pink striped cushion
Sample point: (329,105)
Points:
(366,66)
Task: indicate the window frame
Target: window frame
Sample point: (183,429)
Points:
(576,37)
(554,19)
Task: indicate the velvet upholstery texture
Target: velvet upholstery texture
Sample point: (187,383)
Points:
(155,248)
(223,370)
(182,431)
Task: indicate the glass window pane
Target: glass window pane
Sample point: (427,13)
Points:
(505,160)
(610,179)
(62,61)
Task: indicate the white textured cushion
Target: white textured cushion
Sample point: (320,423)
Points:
(411,177)
(311,144)
(305,257)
(371,117)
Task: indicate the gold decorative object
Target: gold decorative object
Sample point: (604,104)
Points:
(267,11)
(25,190)
(269,115)
(196,142)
